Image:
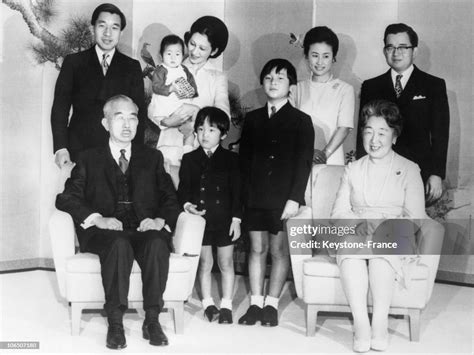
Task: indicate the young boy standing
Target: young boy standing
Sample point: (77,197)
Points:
(210,186)
(276,150)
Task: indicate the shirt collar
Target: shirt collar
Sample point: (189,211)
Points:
(213,149)
(277,106)
(405,75)
(207,66)
(115,150)
(100,54)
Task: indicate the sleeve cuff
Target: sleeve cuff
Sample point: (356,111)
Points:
(236,219)
(88,221)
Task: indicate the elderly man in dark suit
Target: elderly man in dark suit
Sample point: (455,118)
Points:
(124,205)
(423,103)
(87,79)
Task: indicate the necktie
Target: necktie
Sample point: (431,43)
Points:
(209,154)
(105,64)
(398,85)
(123,162)
(273,111)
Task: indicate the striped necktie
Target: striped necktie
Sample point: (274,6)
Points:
(273,111)
(123,162)
(105,64)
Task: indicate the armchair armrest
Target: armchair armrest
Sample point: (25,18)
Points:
(297,254)
(62,234)
(430,241)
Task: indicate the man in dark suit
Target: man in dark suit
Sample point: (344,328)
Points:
(123,204)
(423,102)
(87,79)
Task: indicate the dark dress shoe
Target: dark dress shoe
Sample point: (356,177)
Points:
(211,313)
(225,316)
(253,315)
(269,316)
(152,331)
(116,337)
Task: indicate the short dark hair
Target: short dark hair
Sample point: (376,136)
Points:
(111,8)
(215,30)
(321,34)
(395,28)
(385,109)
(279,64)
(215,116)
(169,40)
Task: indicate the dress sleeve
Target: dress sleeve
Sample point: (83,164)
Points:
(345,116)
(221,93)
(342,206)
(414,205)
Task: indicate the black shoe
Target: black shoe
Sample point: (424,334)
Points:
(225,316)
(152,331)
(211,313)
(116,336)
(253,315)
(269,316)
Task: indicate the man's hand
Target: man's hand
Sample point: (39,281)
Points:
(62,158)
(190,208)
(319,157)
(235,230)
(110,223)
(290,210)
(151,224)
(433,188)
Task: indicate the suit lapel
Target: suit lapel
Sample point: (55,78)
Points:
(388,88)
(410,88)
(109,168)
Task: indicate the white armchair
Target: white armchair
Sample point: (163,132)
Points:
(317,279)
(80,281)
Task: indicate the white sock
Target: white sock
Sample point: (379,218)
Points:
(226,303)
(206,302)
(256,300)
(271,301)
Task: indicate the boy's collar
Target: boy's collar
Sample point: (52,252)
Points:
(277,105)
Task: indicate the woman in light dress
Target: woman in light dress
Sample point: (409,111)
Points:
(206,39)
(328,100)
(381,185)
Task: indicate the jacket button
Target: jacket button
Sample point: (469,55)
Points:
(203,176)
(203,189)
(218,188)
(272,157)
(217,202)
(202,202)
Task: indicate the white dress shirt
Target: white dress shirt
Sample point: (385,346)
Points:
(405,76)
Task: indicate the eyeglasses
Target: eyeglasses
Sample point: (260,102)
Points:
(402,50)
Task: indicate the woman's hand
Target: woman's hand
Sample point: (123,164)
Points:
(186,111)
(319,157)
(234,230)
(290,210)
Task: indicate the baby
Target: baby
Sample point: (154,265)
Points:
(172,85)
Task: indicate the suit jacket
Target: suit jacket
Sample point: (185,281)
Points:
(82,85)
(276,157)
(212,184)
(424,107)
(92,188)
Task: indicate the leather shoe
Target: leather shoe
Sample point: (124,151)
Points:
(225,316)
(211,313)
(116,336)
(252,316)
(152,331)
(269,316)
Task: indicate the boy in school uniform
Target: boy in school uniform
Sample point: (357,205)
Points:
(210,186)
(276,150)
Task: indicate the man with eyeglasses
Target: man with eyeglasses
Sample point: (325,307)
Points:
(423,102)
(86,80)
(124,206)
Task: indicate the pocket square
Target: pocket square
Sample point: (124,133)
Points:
(419,97)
